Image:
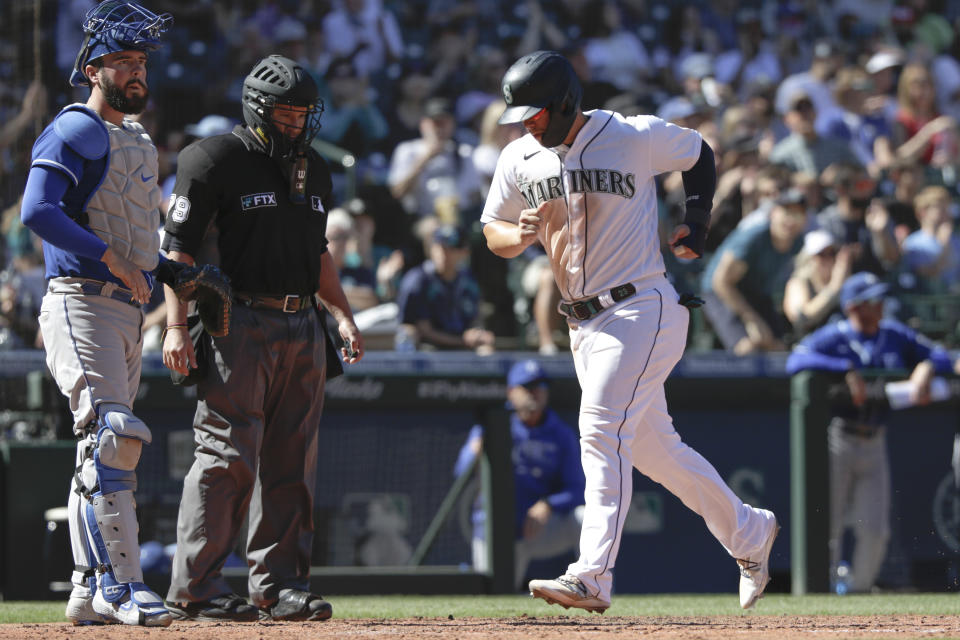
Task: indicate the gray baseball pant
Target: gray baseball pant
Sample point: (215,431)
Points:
(256,434)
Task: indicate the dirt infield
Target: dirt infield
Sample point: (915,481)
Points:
(520,628)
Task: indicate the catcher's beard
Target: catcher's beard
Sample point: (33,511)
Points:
(116,96)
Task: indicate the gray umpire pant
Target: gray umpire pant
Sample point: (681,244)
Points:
(256,435)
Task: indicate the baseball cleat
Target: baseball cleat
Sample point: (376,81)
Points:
(755,574)
(567,591)
(80,610)
(140,606)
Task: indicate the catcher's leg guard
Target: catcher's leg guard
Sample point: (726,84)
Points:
(80,605)
(111,520)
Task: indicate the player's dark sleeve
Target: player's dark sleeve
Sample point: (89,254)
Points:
(699,185)
(194,201)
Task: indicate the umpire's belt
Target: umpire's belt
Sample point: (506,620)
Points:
(288,303)
(90,287)
(586,309)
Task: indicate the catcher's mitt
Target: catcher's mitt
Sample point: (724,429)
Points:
(208,286)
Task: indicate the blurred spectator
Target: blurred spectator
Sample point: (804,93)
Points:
(614,54)
(814,83)
(439,300)
(804,150)
(738,167)
(434,174)
(744,281)
(493,138)
(867,133)
(596,92)
(548,477)
(358,281)
(859,220)
(882,68)
(920,130)
(404,109)
(754,58)
(541,32)
(812,294)
(351,120)
(932,253)
(904,181)
(22,283)
(33,107)
(365,32)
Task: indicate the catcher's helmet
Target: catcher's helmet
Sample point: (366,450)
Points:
(542,80)
(277,80)
(117,26)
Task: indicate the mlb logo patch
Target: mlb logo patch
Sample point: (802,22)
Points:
(316,204)
(258,200)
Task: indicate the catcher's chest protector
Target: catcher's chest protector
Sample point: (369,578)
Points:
(125,211)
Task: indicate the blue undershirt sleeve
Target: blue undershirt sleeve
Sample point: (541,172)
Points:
(42,214)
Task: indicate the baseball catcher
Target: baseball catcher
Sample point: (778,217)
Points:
(92,196)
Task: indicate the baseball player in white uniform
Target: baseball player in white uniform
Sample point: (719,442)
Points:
(582,184)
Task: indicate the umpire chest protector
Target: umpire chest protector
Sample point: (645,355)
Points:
(124,211)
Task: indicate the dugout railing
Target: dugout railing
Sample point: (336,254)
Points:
(924,455)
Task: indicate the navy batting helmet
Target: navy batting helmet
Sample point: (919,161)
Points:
(117,26)
(277,80)
(543,80)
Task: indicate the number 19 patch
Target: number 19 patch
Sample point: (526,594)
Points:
(179,208)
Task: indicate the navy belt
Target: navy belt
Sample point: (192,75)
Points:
(586,309)
(287,303)
(96,288)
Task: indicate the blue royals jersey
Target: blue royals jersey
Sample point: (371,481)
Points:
(838,347)
(546,465)
(51,153)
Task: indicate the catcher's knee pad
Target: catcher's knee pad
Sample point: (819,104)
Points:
(119,442)
(109,476)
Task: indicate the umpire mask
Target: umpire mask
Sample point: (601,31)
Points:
(276,81)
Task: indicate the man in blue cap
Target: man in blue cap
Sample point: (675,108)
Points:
(548,477)
(859,467)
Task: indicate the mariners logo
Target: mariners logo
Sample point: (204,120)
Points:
(258,200)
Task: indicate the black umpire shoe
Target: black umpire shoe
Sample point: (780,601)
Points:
(226,607)
(296,605)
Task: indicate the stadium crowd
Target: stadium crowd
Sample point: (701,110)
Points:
(834,126)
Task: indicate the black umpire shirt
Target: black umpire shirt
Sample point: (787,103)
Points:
(268,244)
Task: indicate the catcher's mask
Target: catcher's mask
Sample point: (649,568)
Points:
(117,26)
(274,81)
(542,80)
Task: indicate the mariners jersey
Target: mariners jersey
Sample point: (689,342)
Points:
(606,234)
(267,243)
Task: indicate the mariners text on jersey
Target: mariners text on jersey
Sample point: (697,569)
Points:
(581,181)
